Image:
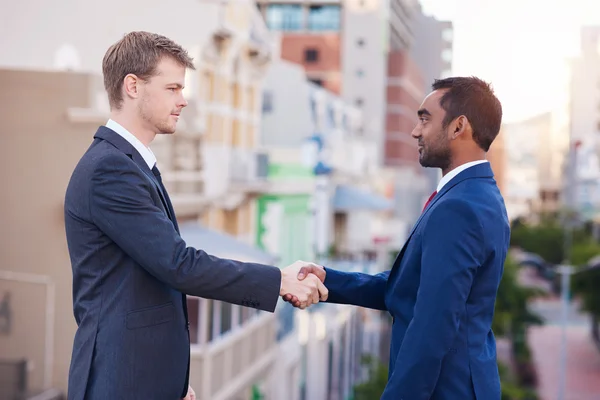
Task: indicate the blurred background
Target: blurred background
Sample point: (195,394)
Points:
(296,145)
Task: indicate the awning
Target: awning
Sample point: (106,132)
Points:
(223,245)
(348,198)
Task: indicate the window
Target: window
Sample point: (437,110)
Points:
(447,34)
(324,18)
(311,55)
(5,314)
(267,103)
(318,82)
(284,17)
(331,116)
(313,109)
(447,55)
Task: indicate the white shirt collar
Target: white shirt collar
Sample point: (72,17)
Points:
(448,177)
(144,151)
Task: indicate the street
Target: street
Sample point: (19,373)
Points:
(583,358)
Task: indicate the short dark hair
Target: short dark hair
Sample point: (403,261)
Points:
(475,99)
(138,53)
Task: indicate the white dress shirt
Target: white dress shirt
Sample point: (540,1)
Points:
(144,151)
(448,177)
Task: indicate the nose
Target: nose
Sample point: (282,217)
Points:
(416,132)
(182,102)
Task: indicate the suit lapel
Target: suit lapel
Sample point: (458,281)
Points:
(120,143)
(483,170)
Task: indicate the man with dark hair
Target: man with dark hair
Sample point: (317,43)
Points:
(442,287)
(131,268)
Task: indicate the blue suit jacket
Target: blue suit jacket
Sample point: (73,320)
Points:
(131,272)
(441,293)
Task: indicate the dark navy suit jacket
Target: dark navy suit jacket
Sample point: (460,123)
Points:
(131,272)
(441,293)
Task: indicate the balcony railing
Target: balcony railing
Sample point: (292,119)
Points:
(13,379)
(226,367)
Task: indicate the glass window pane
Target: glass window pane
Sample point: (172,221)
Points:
(324,18)
(284,17)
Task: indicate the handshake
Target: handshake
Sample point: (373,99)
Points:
(302,284)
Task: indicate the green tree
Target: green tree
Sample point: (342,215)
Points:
(585,284)
(547,239)
(511,390)
(511,314)
(375,385)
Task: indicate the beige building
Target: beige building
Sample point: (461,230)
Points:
(210,167)
(497,158)
(535,151)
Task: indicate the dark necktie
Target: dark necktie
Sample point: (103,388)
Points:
(170,210)
(156,173)
(429,200)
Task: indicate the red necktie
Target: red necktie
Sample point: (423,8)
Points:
(429,200)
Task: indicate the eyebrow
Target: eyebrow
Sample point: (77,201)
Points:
(423,111)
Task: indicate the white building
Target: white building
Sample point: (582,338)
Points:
(323,167)
(585,120)
(234,349)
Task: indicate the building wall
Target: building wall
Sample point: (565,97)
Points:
(585,94)
(325,67)
(525,149)
(401,23)
(497,159)
(39,148)
(364,61)
(433,45)
(286,113)
(584,121)
(432,52)
(97,26)
(404,96)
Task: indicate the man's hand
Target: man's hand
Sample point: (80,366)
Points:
(191,395)
(305,270)
(302,292)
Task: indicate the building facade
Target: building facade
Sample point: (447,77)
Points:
(211,167)
(432,52)
(584,125)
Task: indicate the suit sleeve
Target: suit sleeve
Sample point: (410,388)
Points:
(356,288)
(452,251)
(121,206)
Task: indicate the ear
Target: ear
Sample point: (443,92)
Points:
(131,85)
(459,127)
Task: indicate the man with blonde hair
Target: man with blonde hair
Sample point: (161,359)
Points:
(131,268)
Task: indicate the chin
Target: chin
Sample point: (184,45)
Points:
(167,130)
